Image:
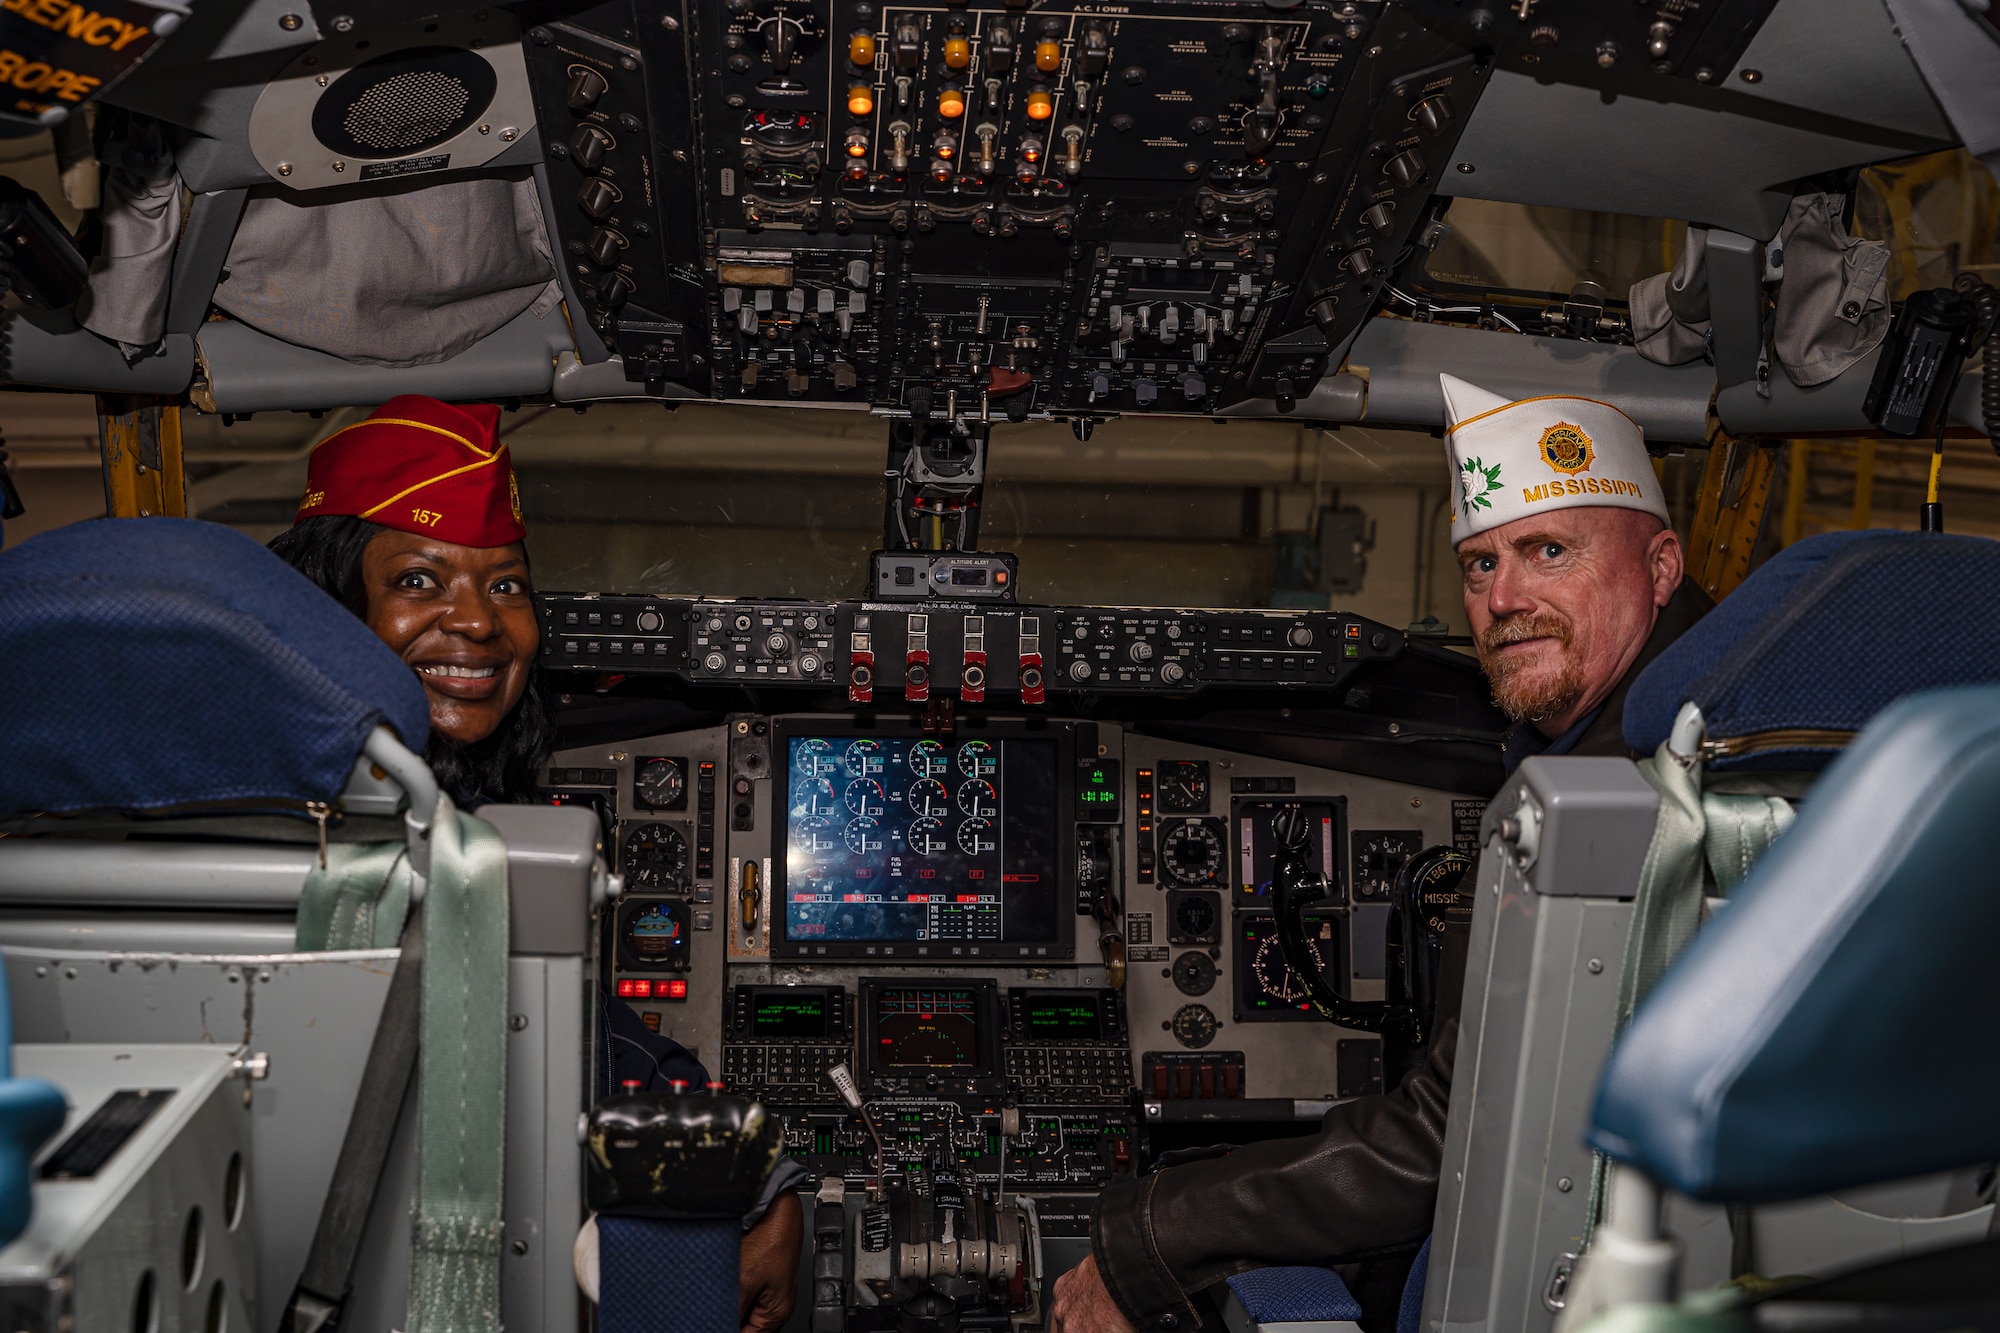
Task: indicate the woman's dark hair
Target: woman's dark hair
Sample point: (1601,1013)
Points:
(327,549)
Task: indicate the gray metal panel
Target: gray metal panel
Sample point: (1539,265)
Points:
(1596,817)
(122,930)
(51,352)
(1719,154)
(249,371)
(1840,58)
(1403,359)
(1736,304)
(153,874)
(170,1179)
(1832,408)
(1537,1025)
(553,852)
(198,261)
(313,1014)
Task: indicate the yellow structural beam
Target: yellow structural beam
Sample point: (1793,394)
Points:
(140,443)
(1735,491)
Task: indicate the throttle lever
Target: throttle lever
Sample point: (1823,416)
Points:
(1294,887)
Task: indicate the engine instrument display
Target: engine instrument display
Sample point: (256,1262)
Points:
(1267,991)
(923,840)
(926,1027)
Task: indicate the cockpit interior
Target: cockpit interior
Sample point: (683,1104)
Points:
(1008,769)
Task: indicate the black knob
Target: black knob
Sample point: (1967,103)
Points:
(1433,113)
(604,245)
(612,290)
(589,146)
(1286,396)
(1359,263)
(597,198)
(1325,312)
(1405,168)
(1144,391)
(585,87)
(1382,216)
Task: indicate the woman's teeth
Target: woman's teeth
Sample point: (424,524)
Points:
(466,673)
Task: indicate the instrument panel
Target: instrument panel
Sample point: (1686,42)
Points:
(947,211)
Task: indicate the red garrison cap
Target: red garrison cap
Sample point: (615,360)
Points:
(420,466)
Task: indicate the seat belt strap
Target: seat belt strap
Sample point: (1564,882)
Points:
(462,1087)
(317,1301)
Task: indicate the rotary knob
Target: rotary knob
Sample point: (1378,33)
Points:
(713,662)
(1079,670)
(597,197)
(1405,168)
(1300,636)
(809,664)
(585,87)
(588,147)
(777,645)
(649,622)
(1141,651)
(1172,672)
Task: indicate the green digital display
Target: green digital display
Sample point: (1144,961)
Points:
(1097,791)
(1054,1017)
(788,1016)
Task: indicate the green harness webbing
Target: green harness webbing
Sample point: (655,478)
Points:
(1696,832)
(358,901)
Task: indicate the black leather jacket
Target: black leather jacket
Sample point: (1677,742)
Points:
(1362,1190)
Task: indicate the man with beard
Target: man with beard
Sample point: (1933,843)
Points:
(1573,583)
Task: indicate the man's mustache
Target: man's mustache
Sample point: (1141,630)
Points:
(1519,628)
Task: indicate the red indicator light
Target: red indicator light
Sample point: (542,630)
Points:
(676,990)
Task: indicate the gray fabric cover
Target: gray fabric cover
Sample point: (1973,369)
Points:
(401,279)
(126,300)
(1670,321)
(1833,305)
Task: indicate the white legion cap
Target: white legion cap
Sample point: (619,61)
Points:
(1510,460)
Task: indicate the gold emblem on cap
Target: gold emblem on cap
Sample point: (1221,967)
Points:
(1567,449)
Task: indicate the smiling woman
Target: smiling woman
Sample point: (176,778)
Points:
(410,521)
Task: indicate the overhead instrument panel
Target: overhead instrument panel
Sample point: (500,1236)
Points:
(994,211)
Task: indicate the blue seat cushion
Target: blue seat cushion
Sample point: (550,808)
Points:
(1821,638)
(164,664)
(1294,1295)
(1834,1025)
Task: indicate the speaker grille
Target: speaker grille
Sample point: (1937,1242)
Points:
(410,111)
(404,102)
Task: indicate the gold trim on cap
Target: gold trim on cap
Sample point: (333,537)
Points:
(487,461)
(1547,398)
(403,421)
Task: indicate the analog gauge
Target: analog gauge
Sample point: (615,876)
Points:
(1267,966)
(1194,1025)
(654,936)
(864,759)
(977,799)
(926,837)
(1194,973)
(1191,852)
(864,797)
(928,760)
(661,784)
(975,837)
(1183,786)
(655,858)
(977,759)
(864,836)
(928,797)
(816,758)
(1194,917)
(816,835)
(817,796)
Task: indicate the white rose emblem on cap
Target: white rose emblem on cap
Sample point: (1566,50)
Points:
(1513,459)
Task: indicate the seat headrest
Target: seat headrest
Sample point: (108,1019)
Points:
(152,664)
(1825,635)
(1833,1026)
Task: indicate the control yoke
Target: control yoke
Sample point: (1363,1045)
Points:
(1427,897)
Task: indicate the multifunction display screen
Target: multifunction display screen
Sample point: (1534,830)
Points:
(1062,1016)
(923,1027)
(778,1014)
(901,838)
